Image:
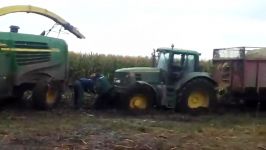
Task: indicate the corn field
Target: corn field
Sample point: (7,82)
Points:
(206,66)
(83,65)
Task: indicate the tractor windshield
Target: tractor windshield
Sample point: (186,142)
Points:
(163,61)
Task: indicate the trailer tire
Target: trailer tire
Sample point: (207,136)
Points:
(46,95)
(196,96)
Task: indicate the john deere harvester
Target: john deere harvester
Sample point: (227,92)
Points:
(33,67)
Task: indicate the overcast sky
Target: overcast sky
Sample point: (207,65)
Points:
(135,27)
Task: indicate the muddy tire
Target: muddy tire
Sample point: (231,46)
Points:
(23,95)
(137,100)
(46,95)
(196,96)
(100,102)
(105,101)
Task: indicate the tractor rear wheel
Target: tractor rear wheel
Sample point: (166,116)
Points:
(46,95)
(138,100)
(196,95)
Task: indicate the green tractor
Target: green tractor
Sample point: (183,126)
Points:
(176,81)
(33,68)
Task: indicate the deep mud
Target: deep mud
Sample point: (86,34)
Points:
(64,128)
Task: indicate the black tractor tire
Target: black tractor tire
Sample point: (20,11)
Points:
(46,95)
(101,102)
(196,96)
(105,101)
(137,100)
(23,96)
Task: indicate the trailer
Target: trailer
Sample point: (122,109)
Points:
(240,73)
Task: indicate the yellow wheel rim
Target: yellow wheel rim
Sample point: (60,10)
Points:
(50,96)
(198,99)
(138,102)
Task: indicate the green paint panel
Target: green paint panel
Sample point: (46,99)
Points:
(25,57)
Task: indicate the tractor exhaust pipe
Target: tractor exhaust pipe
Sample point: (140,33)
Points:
(14,29)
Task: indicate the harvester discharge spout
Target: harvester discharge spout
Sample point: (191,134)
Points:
(43,12)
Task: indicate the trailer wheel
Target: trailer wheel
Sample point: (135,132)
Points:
(46,95)
(138,100)
(196,95)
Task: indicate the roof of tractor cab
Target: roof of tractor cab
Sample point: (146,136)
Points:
(178,51)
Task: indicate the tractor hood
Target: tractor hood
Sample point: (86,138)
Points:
(131,75)
(139,70)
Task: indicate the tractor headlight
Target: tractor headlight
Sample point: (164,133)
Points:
(123,78)
(118,81)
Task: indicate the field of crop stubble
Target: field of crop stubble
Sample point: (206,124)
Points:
(65,128)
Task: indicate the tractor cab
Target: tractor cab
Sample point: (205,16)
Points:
(177,62)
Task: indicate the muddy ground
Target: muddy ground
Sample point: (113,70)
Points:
(65,128)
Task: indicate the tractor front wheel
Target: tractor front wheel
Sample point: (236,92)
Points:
(138,100)
(196,95)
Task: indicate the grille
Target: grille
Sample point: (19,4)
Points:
(27,58)
(26,44)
